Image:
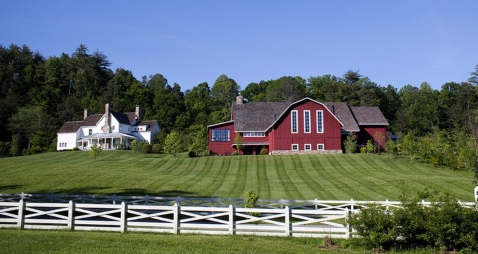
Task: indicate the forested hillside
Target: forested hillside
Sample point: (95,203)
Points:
(38,94)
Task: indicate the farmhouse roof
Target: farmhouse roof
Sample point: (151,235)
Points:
(257,116)
(150,124)
(343,113)
(369,116)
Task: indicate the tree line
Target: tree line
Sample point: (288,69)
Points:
(38,94)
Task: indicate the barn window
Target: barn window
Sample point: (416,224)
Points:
(294,121)
(307,121)
(320,146)
(320,121)
(220,135)
(295,147)
(307,147)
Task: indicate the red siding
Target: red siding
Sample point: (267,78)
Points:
(284,138)
(368,132)
(222,148)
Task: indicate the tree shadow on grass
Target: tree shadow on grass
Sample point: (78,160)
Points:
(89,190)
(10,187)
(168,193)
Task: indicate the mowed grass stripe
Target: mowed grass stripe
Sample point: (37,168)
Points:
(328,179)
(313,174)
(240,179)
(220,176)
(348,183)
(369,178)
(225,190)
(283,172)
(207,174)
(194,176)
(307,186)
(275,184)
(264,186)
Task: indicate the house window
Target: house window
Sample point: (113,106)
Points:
(113,127)
(307,121)
(307,147)
(295,147)
(254,134)
(320,146)
(320,121)
(90,131)
(294,121)
(220,135)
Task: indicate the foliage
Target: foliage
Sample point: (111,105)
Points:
(4,146)
(234,153)
(15,145)
(134,145)
(75,149)
(370,148)
(191,154)
(239,142)
(350,143)
(391,148)
(445,225)
(145,147)
(200,142)
(156,148)
(95,151)
(251,201)
(264,151)
(173,144)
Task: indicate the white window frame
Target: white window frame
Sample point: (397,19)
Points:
(305,122)
(305,147)
(90,131)
(296,121)
(296,146)
(323,147)
(321,122)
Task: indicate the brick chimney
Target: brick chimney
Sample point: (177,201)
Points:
(137,113)
(86,113)
(239,100)
(106,127)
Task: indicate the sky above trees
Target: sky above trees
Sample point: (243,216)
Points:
(190,42)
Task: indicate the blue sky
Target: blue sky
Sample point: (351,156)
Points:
(190,42)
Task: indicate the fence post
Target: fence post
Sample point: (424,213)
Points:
(114,199)
(124,219)
(21,214)
(177,220)
(288,231)
(146,199)
(71,215)
(348,213)
(476,194)
(281,203)
(212,201)
(316,203)
(232,223)
(386,204)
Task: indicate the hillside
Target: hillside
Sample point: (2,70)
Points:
(330,177)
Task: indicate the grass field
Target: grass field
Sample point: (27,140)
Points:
(35,241)
(330,177)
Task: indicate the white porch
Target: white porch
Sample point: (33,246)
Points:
(107,141)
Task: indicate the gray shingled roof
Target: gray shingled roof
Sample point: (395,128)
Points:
(70,127)
(92,120)
(343,113)
(121,117)
(257,116)
(369,116)
(150,124)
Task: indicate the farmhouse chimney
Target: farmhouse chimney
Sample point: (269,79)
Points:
(239,100)
(106,127)
(86,113)
(137,113)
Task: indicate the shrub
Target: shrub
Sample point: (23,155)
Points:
(156,148)
(264,151)
(75,149)
(191,154)
(145,147)
(350,143)
(234,153)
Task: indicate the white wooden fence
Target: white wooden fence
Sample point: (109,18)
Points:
(175,219)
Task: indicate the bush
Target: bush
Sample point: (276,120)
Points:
(191,154)
(264,151)
(145,147)
(75,149)
(234,153)
(156,148)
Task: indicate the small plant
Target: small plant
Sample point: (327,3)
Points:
(75,149)
(95,151)
(156,148)
(350,143)
(251,200)
(234,153)
(264,151)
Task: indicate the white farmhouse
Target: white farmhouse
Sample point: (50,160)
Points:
(108,130)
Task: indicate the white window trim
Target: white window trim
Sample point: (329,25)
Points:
(305,125)
(322,122)
(305,147)
(292,148)
(292,121)
(323,147)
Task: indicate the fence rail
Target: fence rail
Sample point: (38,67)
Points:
(175,219)
(314,204)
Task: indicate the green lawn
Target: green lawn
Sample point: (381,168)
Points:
(44,241)
(330,177)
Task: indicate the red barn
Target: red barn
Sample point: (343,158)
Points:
(304,126)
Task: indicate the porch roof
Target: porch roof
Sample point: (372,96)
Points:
(108,135)
(254,144)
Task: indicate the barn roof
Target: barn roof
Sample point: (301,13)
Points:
(257,116)
(369,116)
(343,113)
